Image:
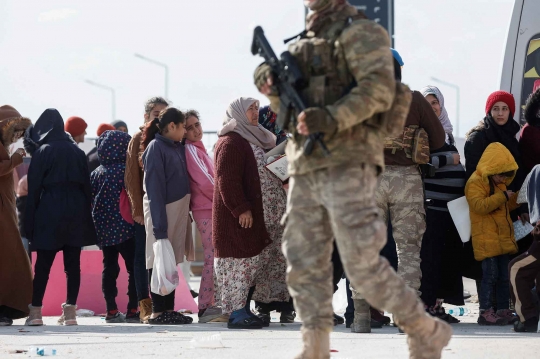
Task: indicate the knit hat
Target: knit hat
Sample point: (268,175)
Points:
(75,126)
(502,96)
(119,123)
(104,127)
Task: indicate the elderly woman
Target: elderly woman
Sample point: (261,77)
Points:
(441,245)
(16,278)
(246,233)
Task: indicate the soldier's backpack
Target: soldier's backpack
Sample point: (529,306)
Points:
(414,141)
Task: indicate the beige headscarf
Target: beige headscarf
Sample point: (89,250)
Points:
(237,121)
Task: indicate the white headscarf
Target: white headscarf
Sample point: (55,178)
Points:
(443,117)
(237,121)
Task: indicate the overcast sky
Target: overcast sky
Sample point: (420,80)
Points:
(50,48)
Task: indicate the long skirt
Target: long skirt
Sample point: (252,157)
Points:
(266,271)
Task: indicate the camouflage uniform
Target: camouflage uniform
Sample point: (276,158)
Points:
(335,196)
(401,195)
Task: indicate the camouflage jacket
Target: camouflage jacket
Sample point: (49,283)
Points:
(350,73)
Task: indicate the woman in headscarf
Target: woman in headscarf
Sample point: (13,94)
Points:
(441,245)
(58,210)
(247,207)
(15,269)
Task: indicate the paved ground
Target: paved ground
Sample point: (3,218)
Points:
(95,339)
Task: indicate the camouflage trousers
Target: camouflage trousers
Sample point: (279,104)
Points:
(400,194)
(339,202)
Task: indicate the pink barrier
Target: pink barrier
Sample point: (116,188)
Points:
(90,294)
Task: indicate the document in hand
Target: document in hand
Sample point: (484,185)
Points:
(459,211)
(279,168)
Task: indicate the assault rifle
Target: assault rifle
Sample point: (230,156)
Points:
(288,79)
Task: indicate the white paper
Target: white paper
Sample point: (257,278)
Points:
(280,168)
(522,230)
(459,210)
(522,196)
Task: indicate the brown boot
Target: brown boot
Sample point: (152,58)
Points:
(145,309)
(34,318)
(316,344)
(427,336)
(69,315)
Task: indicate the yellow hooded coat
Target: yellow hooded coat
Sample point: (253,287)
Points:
(492,227)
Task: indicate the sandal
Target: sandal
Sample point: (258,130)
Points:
(169,318)
(241,319)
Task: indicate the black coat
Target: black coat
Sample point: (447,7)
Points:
(93,160)
(58,210)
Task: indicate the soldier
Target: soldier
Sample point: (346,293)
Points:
(348,65)
(400,193)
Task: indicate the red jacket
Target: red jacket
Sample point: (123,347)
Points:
(237,190)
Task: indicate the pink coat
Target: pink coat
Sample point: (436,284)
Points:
(201,177)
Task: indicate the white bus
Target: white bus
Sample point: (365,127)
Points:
(521,66)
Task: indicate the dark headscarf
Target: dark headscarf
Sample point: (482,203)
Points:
(49,127)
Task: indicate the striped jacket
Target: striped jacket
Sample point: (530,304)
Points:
(449,181)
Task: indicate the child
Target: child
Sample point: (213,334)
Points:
(492,231)
(166,201)
(525,269)
(201,177)
(115,234)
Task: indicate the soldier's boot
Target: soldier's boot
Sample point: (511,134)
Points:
(362,317)
(426,336)
(316,344)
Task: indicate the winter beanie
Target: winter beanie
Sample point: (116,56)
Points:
(75,126)
(502,96)
(104,127)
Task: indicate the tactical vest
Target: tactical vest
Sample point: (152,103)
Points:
(324,67)
(413,141)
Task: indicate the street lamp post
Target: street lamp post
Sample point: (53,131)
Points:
(142,57)
(113,95)
(456,87)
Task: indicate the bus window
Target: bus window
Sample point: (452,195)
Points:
(531,79)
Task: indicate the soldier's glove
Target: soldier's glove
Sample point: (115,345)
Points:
(319,120)
(261,76)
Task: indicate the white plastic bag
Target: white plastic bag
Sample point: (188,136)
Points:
(164,274)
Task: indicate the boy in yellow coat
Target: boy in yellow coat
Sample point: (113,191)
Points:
(493,238)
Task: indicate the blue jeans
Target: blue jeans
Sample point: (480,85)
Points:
(139,265)
(495,276)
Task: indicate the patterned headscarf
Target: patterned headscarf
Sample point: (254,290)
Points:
(443,117)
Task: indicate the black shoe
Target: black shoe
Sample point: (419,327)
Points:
(287,317)
(338,320)
(376,324)
(530,326)
(242,319)
(348,323)
(5,321)
(133,316)
(170,318)
(264,318)
(194,294)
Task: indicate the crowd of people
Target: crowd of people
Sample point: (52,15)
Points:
(129,193)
